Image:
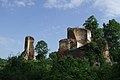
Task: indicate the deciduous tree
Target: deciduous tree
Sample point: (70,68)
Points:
(112,35)
(42,49)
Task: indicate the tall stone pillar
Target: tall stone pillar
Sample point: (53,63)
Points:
(28,53)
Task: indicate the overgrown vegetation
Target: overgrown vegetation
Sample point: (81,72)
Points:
(69,68)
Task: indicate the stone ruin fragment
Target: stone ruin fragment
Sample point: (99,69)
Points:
(106,53)
(82,36)
(28,53)
(76,37)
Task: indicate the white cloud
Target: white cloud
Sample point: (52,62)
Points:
(111,8)
(16,3)
(64,4)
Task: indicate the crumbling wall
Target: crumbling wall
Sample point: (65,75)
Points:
(66,45)
(89,35)
(76,37)
(81,35)
(28,53)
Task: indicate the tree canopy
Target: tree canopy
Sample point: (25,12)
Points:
(92,24)
(42,49)
(112,35)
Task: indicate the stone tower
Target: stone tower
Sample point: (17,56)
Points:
(81,35)
(28,53)
(76,38)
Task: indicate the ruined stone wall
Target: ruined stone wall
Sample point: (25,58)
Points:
(67,44)
(89,36)
(81,35)
(28,53)
(76,37)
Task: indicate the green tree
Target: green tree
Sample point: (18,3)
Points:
(42,49)
(18,69)
(92,24)
(94,49)
(112,35)
(53,55)
(2,63)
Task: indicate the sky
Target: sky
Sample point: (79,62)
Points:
(48,20)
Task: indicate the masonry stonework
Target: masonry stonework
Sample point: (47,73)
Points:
(81,35)
(28,53)
(76,37)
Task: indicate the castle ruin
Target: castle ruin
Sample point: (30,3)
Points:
(28,53)
(76,37)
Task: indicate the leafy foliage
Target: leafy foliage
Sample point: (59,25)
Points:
(92,25)
(66,68)
(112,35)
(41,48)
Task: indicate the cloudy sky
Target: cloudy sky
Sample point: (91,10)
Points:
(47,20)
